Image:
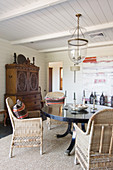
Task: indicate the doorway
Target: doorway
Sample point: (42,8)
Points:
(55,78)
(50,79)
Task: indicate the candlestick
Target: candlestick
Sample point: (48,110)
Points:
(94,108)
(74,104)
(83,100)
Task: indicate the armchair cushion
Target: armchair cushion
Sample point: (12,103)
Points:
(50,101)
(54,98)
(19,110)
(54,95)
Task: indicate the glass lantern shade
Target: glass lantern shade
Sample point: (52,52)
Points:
(77,49)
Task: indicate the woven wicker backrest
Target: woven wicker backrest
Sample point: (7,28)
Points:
(10,104)
(102,132)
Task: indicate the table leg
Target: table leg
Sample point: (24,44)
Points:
(83,127)
(72,144)
(67,131)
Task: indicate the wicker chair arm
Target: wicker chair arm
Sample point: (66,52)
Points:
(83,136)
(28,119)
(81,142)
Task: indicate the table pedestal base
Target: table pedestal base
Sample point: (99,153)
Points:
(68,131)
(72,144)
(73,133)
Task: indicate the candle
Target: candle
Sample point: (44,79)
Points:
(83,93)
(74,96)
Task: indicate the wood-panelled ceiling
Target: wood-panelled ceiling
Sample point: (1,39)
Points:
(46,25)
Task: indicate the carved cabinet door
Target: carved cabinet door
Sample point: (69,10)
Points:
(33,81)
(22,81)
(27,81)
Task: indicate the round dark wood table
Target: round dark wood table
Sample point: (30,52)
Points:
(67,114)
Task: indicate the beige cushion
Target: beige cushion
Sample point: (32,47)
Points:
(54,95)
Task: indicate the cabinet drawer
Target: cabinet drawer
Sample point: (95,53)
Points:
(30,98)
(33,108)
(32,103)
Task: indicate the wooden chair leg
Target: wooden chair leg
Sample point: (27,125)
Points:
(41,150)
(11,147)
(41,146)
(11,151)
(49,123)
(75,161)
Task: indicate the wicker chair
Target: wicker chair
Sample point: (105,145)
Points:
(26,132)
(54,98)
(94,149)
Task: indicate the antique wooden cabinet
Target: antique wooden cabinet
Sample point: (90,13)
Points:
(22,82)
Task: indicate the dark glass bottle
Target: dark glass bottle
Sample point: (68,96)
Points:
(102,99)
(91,98)
(111,101)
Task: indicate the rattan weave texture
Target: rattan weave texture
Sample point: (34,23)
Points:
(26,132)
(94,149)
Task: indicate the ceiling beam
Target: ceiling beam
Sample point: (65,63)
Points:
(62,34)
(100,27)
(42,38)
(41,4)
(91,45)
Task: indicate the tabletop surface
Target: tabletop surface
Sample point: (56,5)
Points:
(58,112)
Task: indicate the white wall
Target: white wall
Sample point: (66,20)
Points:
(68,76)
(68,79)
(6,57)
(42,60)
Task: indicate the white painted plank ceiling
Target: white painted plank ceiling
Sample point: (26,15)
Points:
(46,25)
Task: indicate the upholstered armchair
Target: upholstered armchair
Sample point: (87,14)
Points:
(26,132)
(54,98)
(94,149)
